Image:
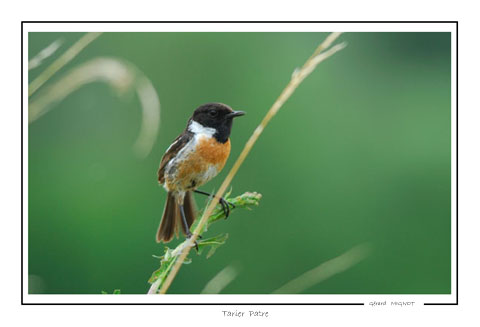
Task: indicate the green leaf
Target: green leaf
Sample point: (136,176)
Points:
(212,243)
(170,256)
(245,200)
(166,263)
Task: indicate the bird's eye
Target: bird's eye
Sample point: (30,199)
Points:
(212,113)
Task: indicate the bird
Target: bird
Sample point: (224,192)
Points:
(196,156)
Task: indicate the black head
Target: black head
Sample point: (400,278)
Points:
(218,116)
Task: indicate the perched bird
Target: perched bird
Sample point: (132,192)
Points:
(195,157)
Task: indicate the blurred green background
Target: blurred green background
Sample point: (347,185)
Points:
(360,153)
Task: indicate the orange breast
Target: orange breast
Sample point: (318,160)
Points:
(201,165)
(213,152)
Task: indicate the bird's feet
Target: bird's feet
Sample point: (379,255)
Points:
(224,203)
(226,206)
(189,235)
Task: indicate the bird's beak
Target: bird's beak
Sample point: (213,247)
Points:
(235,114)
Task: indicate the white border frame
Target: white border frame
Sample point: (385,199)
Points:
(224,299)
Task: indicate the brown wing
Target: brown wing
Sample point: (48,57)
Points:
(171,152)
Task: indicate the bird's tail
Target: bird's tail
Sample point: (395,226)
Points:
(171,218)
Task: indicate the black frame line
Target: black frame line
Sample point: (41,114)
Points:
(21,164)
(293,304)
(238,21)
(456,209)
(222,22)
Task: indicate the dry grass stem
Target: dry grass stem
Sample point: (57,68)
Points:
(326,270)
(120,76)
(150,104)
(44,54)
(61,61)
(295,81)
(220,280)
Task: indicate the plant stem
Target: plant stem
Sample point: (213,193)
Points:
(326,270)
(61,61)
(245,200)
(295,81)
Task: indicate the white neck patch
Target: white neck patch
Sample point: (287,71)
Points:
(197,128)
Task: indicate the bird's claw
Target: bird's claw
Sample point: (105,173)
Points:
(189,235)
(226,206)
